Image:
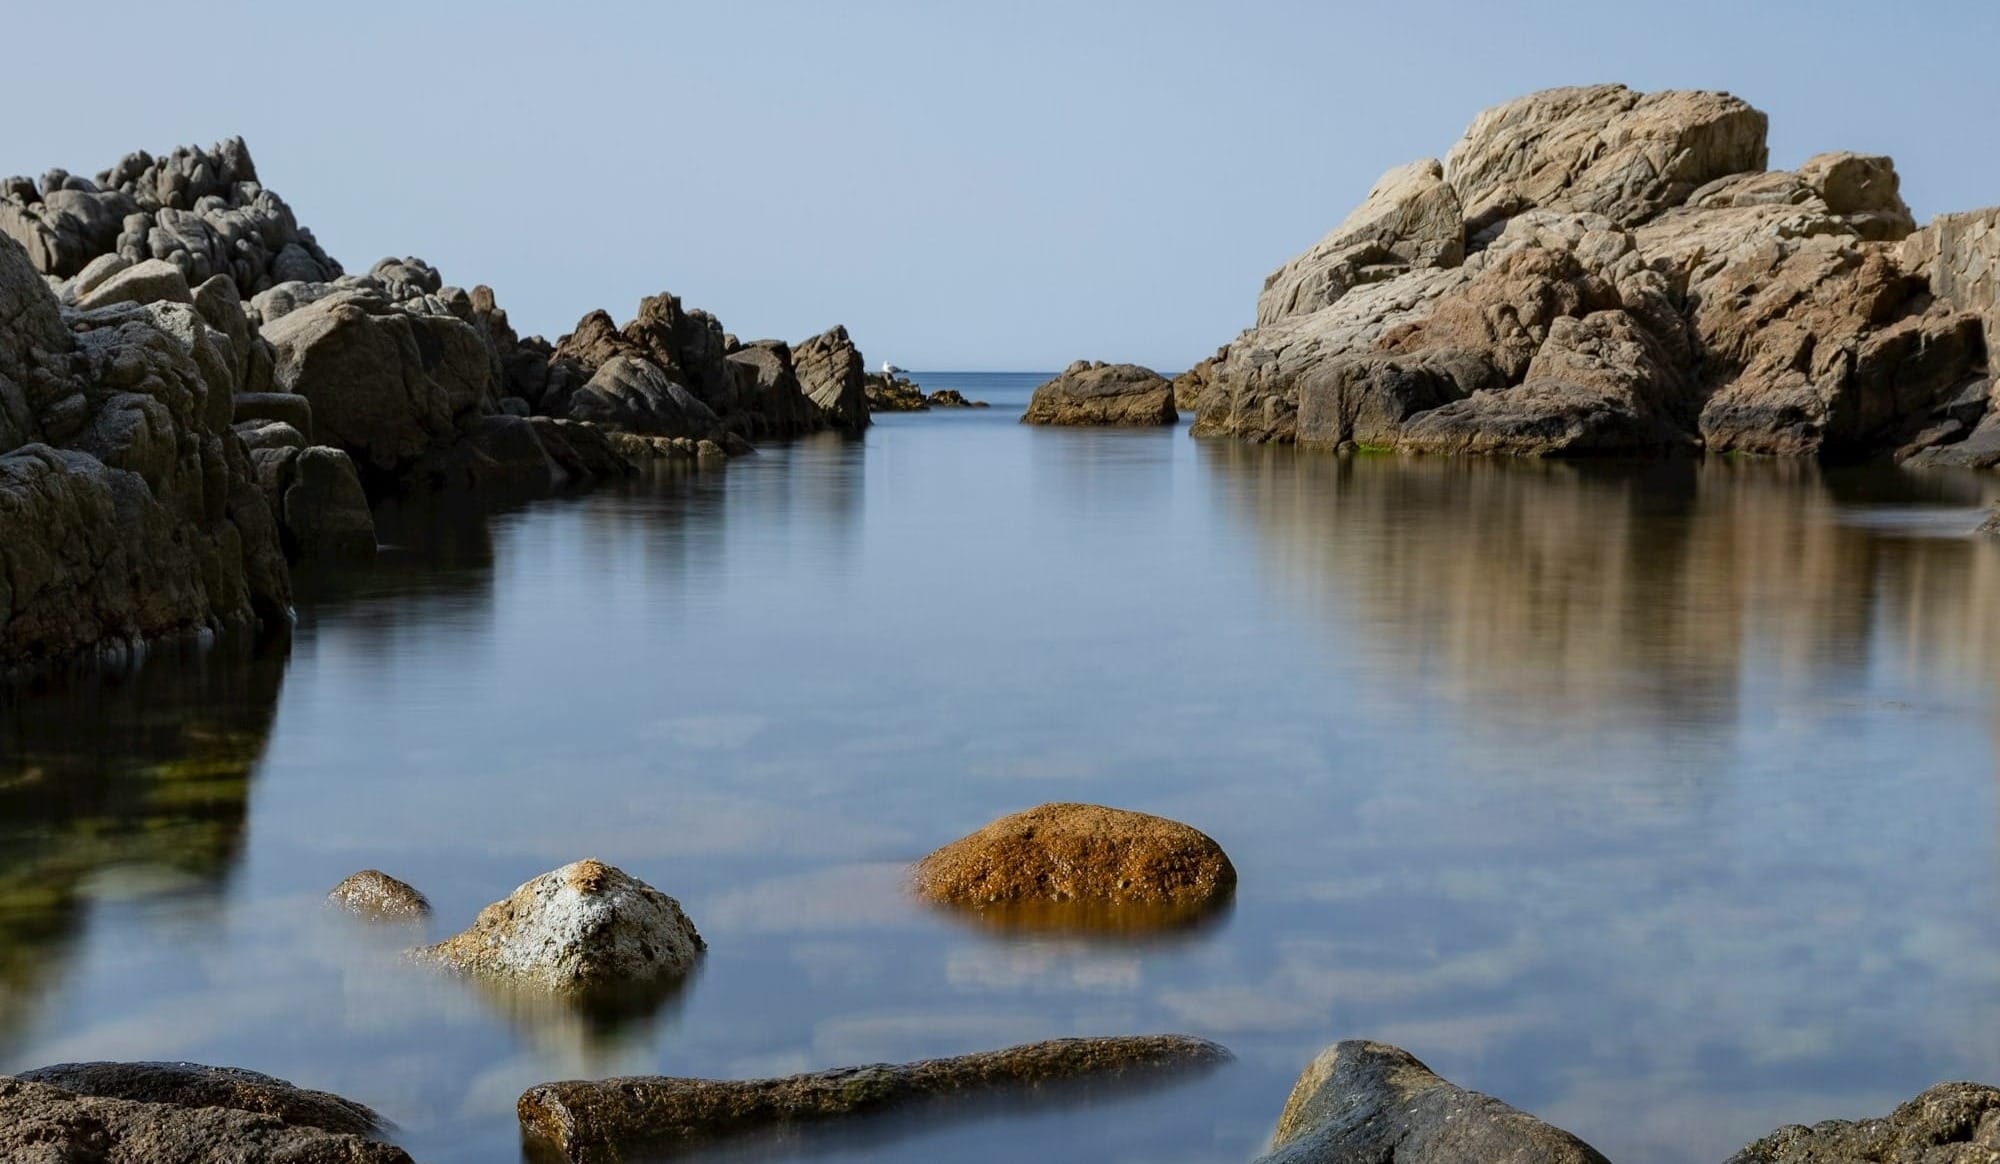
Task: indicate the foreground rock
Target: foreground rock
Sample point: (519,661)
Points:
(613,1118)
(1593,271)
(195,1085)
(1362,1101)
(377,896)
(1079,853)
(586,928)
(1949,1122)
(43,1122)
(1088,393)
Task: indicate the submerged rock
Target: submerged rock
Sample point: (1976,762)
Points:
(377,896)
(1363,1101)
(1952,1122)
(608,1120)
(1098,393)
(581,929)
(1082,854)
(196,1121)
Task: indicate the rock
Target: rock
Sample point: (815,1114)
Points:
(39,1122)
(1088,393)
(952,398)
(1370,1101)
(1079,854)
(498,453)
(635,395)
(1949,1122)
(152,281)
(1959,254)
(1603,149)
(581,929)
(581,452)
(833,376)
(1411,219)
(284,407)
(768,386)
(615,1118)
(1191,384)
(194,1085)
(375,895)
(317,498)
(893,394)
(96,272)
(265,435)
(387,385)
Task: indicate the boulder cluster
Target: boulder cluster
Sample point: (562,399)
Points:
(1596,271)
(194,396)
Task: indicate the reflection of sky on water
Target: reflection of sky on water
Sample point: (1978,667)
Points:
(1657,800)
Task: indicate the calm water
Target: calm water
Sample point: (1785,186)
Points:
(1659,801)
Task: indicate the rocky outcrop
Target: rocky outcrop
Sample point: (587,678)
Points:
(1631,281)
(582,929)
(834,377)
(614,1119)
(633,394)
(128,507)
(1064,854)
(375,895)
(181,1115)
(315,495)
(887,393)
(1091,393)
(1370,1101)
(1949,1122)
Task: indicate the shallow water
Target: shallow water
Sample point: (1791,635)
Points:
(1657,800)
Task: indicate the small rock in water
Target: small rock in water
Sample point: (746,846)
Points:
(1370,1101)
(377,896)
(1080,855)
(584,928)
(610,1119)
(1098,393)
(1962,1116)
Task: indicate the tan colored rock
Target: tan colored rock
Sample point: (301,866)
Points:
(1960,255)
(1410,220)
(1096,393)
(618,1119)
(1957,1122)
(375,895)
(581,929)
(1079,853)
(195,1085)
(1603,149)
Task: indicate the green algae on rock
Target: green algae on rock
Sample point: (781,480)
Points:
(606,1120)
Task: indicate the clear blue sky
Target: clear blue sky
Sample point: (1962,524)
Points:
(1007,186)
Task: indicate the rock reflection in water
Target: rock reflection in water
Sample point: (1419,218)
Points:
(1135,923)
(145,773)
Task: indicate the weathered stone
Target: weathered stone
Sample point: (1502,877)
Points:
(1959,254)
(1952,1123)
(195,1085)
(284,407)
(1363,1101)
(834,377)
(1411,219)
(40,1122)
(768,386)
(1085,853)
(375,895)
(152,281)
(613,1119)
(582,452)
(265,435)
(1087,393)
(952,398)
(636,395)
(580,929)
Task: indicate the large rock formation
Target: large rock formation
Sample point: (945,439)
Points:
(1088,393)
(1362,1101)
(212,1120)
(129,510)
(1596,271)
(620,1119)
(834,377)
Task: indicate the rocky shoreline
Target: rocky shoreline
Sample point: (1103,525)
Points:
(195,396)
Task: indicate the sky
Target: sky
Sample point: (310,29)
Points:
(1004,186)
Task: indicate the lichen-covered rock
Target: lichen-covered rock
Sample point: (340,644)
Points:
(1079,853)
(42,1122)
(586,927)
(1092,393)
(196,1085)
(375,895)
(1957,1123)
(834,377)
(614,1119)
(1363,1101)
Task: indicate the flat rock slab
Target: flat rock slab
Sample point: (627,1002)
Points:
(1952,1123)
(608,1119)
(40,1122)
(1368,1103)
(1079,854)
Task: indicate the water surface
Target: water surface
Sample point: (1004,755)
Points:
(1658,800)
